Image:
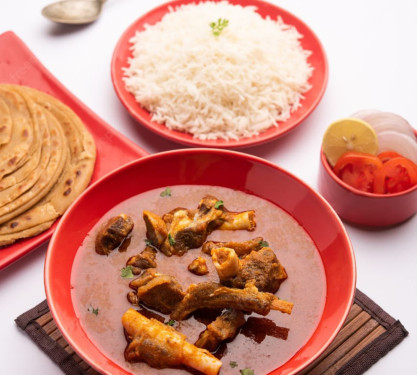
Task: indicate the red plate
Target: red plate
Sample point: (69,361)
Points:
(19,66)
(312,97)
(203,166)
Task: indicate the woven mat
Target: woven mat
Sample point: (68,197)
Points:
(368,334)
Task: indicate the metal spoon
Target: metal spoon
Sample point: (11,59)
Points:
(74,12)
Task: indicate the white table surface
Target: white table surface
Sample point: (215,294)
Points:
(372,55)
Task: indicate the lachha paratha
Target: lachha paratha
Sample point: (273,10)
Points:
(51,166)
(23,138)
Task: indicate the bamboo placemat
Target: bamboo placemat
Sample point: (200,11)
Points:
(368,334)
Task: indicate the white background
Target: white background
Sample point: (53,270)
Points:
(372,54)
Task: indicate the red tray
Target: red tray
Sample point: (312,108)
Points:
(18,65)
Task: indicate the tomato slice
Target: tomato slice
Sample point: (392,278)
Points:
(396,175)
(388,155)
(358,170)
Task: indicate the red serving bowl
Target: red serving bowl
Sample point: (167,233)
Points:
(203,167)
(361,208)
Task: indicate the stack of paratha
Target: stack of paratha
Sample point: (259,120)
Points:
(46,160)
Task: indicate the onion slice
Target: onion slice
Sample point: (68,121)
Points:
(406,146)
(386,121)
(361,114)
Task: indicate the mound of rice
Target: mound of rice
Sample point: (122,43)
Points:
(230,86)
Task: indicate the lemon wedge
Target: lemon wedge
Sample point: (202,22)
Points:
(348,134)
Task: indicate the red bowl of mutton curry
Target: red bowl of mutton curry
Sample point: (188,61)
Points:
(200,261)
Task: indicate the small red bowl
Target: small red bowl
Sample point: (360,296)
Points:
(361,208)
(230,169)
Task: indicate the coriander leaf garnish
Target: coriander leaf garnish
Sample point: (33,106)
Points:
(247,371)
(170,322)
(126,272)
(93,310)
(171,240)
(147,242)
(263,243)
(233,364)
(217,27)
(166,192)
(218,204)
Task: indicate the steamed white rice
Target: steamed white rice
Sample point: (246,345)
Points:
(230,86)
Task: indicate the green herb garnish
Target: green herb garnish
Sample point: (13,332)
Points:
(247,371)
(217,27)
(218,204)
(233,364)
(171,240)
(170,322)
(126,272)
(166,192)
(263,243)
(147,242)
(92,310)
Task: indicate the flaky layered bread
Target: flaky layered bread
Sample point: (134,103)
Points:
(47,158)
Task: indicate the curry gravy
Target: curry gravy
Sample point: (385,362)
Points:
(264,343)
